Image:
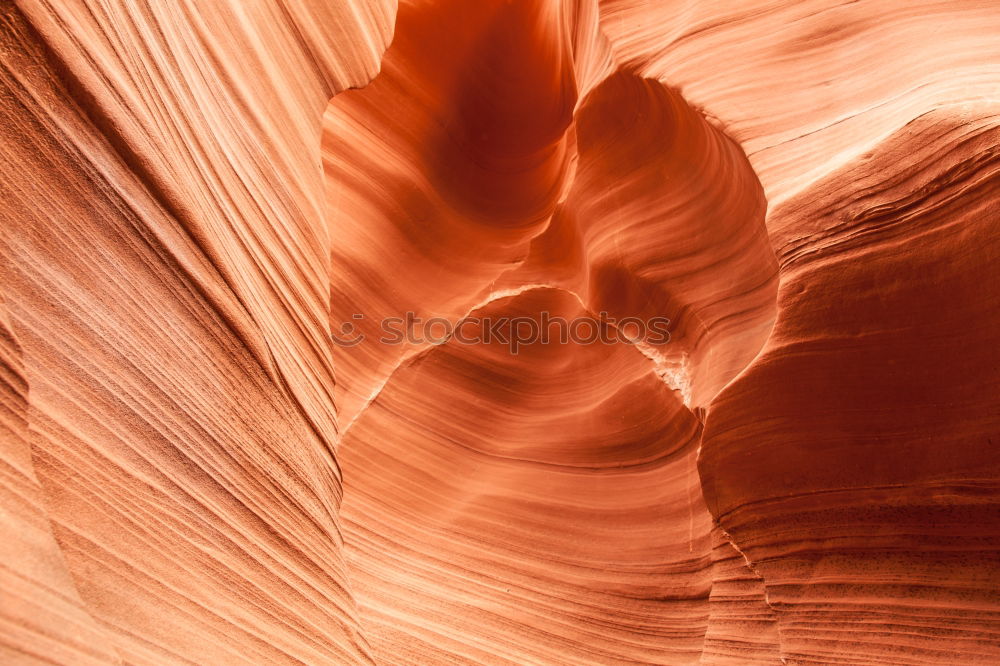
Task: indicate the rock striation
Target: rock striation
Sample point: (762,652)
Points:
(211,213)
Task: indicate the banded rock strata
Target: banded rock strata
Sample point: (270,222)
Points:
(195,200)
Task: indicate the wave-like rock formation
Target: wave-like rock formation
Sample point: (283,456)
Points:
(280,383)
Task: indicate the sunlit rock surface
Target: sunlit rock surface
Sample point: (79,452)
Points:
(167,368)
(209,454)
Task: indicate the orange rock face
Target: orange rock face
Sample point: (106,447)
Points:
(499,332)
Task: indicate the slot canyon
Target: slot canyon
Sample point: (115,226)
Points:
(500,332)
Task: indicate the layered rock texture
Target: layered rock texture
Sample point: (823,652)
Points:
(211,453)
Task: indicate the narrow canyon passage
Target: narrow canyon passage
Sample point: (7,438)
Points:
(550,493)
(220,219)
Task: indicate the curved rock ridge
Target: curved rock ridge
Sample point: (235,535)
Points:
(535,504)
(808,87)
(664,218)
(855,462)
(165,271)
(213,213)
(463,147)
(214,107)
(634,202)
(502,482)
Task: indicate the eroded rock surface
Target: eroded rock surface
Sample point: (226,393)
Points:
(202,201)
